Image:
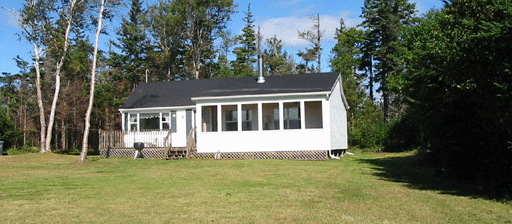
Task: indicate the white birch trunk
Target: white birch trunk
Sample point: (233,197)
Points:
(83,153)
(57,78)
(42,119)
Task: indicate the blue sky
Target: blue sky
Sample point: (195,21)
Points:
(282,18)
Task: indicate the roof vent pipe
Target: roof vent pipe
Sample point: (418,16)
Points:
(261,79)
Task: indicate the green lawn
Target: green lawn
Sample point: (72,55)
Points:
(364,188)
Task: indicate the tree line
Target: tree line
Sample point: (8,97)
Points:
(445,85)
(49,103)
(438,83)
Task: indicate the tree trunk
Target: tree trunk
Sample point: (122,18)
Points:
(57,78)
(370,81)
(42,119)
(83,153)
(319,36)
(63,134)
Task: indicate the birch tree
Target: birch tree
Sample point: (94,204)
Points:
(33,19)
(69,13)
(101,14)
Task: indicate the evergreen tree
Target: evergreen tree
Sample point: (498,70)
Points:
(314,36)
(130,64)
(365,125)
(275,59)
(458,87)
(245,54)
(383,22)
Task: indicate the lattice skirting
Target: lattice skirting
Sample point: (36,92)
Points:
(297,155)
(153,153)
(158,153)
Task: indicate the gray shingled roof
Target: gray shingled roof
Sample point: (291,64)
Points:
(179,93)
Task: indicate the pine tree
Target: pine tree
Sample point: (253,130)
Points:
(130,62)
(383,21)
(275,59)
(314,36)
(245,54)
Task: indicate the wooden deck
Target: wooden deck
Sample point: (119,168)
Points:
(158,144)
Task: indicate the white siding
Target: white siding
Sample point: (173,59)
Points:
(338,120)
(263,141)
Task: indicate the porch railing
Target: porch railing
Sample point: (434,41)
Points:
(123,139)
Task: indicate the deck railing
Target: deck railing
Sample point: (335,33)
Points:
(123,139)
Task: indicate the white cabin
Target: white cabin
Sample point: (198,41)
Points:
(305,112)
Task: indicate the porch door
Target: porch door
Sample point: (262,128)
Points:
(179,138)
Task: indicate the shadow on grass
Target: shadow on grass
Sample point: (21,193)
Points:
(413,173)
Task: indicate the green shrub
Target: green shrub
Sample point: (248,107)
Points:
(369,134)
(22,150)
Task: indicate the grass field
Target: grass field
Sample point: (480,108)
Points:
(364,188)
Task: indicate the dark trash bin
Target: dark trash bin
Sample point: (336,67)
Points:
(1,148)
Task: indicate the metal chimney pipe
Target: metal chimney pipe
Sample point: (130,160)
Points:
(261,79)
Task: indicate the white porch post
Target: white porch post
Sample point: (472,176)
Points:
(326,115)
(219,118)
(199,119)
(260,117)
(302,115)
(122,122)
(281,116)
(239,116)
(160,123)
(138,122)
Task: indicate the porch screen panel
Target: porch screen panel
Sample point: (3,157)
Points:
(249,117)
(230,118)
(149,121)
(313,115)
(291,115)
(209,118)
(270,114)
(126,128)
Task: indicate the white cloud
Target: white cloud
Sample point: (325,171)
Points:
(286,28)
(287,3)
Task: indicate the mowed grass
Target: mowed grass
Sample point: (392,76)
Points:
(364,188)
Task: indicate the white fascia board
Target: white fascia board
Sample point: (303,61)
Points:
(156,109)
(260,96)
(339,80)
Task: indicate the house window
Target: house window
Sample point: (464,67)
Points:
(291,115)
(230,119)
(270,114)
(313,115)
(249,117)
(165,121)
(133,123)
(149,121)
